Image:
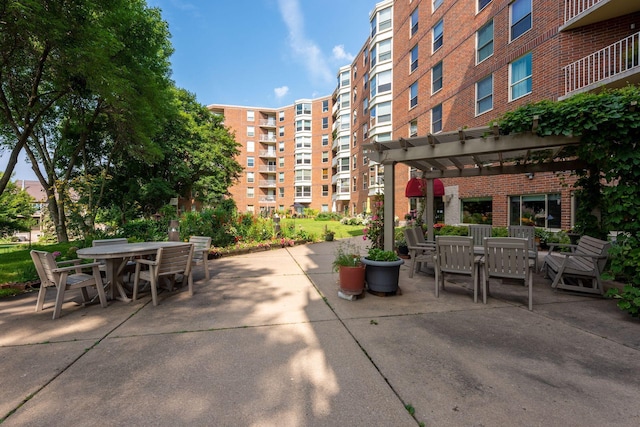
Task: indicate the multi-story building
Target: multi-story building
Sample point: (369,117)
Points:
(431,66)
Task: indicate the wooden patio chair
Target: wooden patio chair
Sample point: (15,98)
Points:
(169,262)
(479,232)
(507,258)
(201,246)
(581,267)
(420,255)
(454,255)
(527,232)
(64,279)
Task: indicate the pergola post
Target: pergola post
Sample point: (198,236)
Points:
(389,202)
(429,209)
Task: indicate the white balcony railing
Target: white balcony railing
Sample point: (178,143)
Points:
(573,8)
(269,168)
(268,199)
(267,153)
(268,122)
(267,138)
(267,183)
(604,64)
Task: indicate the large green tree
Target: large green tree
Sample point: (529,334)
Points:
(16,208)
(110,73)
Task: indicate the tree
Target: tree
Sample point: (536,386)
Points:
(16,208)
(112,85)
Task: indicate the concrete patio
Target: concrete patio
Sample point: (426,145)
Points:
(267,342)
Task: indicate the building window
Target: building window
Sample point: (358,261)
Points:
(543,210)
(281,116)
(325,157)
(438,31)
(281,192)
(520,77)
(355,139)
(354,163)
(413,22)
(364,181)
(354,186)
(482,4)
(413,95)
(325,140)
(325,122)
(345,79)
(251,146)
(436,119)
(250,162)
(303,108)
(281,162)
(365,106)
(303,175)
(250,193)
(251,116)
(325,173)
(281,132)
(281,146)
(281,176)
(384,112)
(365,131)
(484,41)
(413,128)
(436,4)
(484,95)
(436,77)
(325,105)
(303,191)
(251,131)
(250,209)
(325,190)
(374,55)
(520,11)
(413,57)
(477,210)
(365,80)
(344,164)
(384,50)
(303,142)
(303,125)
(303,159)
(384,81)
(384,19)
(250,177)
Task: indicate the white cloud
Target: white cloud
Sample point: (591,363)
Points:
(281,91)
(307,51)
(340,54)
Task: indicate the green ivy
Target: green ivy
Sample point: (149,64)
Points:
(608,124)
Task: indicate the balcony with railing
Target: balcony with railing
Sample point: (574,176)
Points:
(578,13)
(268,199)
(613,66)
(267,183)
(268,138)
(267,168)
(268,153)
(268,123)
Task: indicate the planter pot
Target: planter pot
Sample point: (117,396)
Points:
(352,279)
(328,238)
(382,276)
(403,250)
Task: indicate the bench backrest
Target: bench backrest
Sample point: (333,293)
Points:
(591,246)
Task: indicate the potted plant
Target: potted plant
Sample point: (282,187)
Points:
(328,234)
(383,271)
(347,263)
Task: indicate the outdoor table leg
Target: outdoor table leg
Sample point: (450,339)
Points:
(114,267)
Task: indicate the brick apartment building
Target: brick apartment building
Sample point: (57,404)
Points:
(433,66)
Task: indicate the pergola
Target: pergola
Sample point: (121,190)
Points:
(479,151)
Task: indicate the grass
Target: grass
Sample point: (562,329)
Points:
(17,266)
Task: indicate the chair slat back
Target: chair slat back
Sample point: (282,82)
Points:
(200,244)
(104,242)
(479,232)
(588,245)
(45,264)
(454,254)
(524,232)
(410,237)
(174,260)
(506,257)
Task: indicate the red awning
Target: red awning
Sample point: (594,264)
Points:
(416,187)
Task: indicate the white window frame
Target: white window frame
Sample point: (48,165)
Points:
(513,24)
(480,99)
(488,43)
(513,84)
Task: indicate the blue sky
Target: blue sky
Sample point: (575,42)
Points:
(263,53)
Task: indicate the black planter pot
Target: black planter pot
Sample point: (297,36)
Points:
(382,276)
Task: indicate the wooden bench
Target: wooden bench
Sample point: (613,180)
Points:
(581,267)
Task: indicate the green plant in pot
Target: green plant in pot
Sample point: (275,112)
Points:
(383,271)
(329,235)
(347,263)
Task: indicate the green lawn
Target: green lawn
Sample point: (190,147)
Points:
(16,265)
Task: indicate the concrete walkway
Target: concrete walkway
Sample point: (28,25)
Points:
(267,342)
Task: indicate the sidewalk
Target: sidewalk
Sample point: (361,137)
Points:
(267,342)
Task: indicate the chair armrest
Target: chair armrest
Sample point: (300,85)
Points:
(145,261)
(573,254)
(562,245)
(75,267)
(69,261)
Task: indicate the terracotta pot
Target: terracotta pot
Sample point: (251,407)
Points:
(352,279)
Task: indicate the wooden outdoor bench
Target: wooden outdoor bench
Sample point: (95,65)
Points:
(580,269)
